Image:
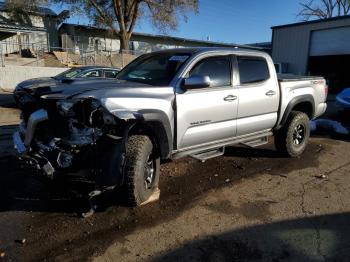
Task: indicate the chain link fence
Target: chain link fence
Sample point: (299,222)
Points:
(39,54)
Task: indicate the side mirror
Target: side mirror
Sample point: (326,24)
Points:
(197,81)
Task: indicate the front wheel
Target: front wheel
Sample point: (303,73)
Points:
(142,169)
(292,139)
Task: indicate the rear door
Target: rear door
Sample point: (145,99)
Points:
(205,115)
(258,94)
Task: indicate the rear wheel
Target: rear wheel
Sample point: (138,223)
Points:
(292,139)
(141,169)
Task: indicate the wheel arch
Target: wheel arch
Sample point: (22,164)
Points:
(156,125)
(304,103)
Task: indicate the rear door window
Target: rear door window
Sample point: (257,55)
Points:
(110,73)
(93,73)
(218,68)
(252,69)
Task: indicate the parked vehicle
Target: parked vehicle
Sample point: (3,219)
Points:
(167,105)
(86,75)
(88,71)
(84,72)
(343,98)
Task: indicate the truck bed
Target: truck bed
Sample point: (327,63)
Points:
(291,77)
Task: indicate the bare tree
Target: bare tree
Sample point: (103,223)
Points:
(346,6)
(324,9)
(121,16)
(19,10)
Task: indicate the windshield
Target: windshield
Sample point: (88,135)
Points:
(71,73)
(154,69)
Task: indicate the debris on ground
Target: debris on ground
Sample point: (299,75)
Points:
(2,254)
(282,175)
(236,165)
(322,176)
(21,241)
(319,148)
(227,180)
(216,175)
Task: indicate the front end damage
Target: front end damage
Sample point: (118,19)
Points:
(60,136)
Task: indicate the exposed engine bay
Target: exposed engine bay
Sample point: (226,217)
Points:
(68,134)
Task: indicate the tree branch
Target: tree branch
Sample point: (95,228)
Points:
(119,14)
(103,16)
(134,17)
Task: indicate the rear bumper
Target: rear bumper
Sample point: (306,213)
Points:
(320,109)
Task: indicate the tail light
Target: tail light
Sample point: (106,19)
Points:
(325,85)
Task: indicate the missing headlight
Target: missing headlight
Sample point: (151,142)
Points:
(65,108)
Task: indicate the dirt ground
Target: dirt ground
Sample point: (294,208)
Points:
(249,205)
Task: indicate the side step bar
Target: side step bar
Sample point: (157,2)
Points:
(205,155)
(195,150)
(257,142)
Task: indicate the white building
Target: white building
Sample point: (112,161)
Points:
(27,29)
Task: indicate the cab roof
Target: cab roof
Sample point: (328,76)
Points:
(197,50)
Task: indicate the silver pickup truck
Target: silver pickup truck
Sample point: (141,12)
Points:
(166,105)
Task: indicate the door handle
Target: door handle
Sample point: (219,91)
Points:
(230,98)
(270,93)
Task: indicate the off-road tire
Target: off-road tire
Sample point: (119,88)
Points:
(139,149)
(285,137)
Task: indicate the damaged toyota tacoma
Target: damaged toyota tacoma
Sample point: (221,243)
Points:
(165,105)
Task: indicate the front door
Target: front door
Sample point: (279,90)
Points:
(206,115)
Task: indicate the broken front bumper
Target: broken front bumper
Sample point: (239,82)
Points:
(22,140)
(28,131)
(56,150)
(35,161)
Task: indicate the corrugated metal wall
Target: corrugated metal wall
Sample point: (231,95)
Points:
(291,44)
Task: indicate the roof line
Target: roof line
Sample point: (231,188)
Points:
(312,21)
(15,28)
(169,37)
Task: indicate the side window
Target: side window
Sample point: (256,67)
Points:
(93,73)
(110,73)
(218,68)
(252,69)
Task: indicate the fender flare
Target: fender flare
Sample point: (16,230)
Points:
(163,134)
(295,101)
(114,164)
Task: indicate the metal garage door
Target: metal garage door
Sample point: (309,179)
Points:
(334,41)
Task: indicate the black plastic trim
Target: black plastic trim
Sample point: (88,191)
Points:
(163,133)
(294,102)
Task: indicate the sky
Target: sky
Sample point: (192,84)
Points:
(229,21)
